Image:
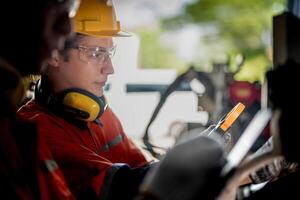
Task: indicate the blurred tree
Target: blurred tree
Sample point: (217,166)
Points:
(244,25)
(154,54)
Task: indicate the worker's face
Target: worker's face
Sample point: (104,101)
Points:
(57,26)
(47,29)
(285,132)
(88,65)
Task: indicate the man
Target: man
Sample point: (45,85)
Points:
(284,129)
(84,135)
(30,32)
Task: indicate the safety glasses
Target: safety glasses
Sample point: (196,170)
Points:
(95,54)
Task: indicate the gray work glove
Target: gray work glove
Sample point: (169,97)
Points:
(188,171)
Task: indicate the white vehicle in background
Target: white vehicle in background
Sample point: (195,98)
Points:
(133,94)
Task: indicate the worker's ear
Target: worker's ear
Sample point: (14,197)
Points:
(54,60)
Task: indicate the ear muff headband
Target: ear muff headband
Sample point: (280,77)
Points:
(74,102)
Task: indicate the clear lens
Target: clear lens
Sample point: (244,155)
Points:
(96,55)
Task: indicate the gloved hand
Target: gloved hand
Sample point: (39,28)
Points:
(124,182)
(188,171)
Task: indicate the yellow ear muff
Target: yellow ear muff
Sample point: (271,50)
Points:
(87,108)
(82,104)
(74,102)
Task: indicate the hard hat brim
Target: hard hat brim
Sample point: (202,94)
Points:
(123,34)
(102,34)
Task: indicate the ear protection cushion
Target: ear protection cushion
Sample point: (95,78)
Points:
(82,104)
(74,102)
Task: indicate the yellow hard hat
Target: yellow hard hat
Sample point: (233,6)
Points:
(98,18)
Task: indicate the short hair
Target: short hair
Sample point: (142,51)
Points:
(70,43)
